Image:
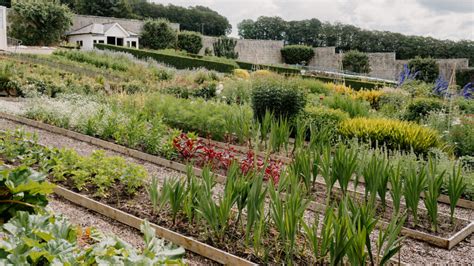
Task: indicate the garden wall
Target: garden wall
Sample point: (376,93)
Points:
(383,65)
(254,51)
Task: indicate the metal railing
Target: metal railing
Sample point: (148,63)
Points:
(12,42)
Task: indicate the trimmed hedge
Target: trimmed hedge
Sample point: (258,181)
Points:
(322,116)
(177,61)
(190,41)
(394,134)
(297,54)
(464,76)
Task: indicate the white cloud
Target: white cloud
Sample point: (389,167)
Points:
(444,19)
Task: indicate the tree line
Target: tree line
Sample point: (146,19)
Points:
(348,37)
(198,18)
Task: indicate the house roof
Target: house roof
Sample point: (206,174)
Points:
(99,29)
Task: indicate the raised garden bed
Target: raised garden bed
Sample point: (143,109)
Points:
(446,241)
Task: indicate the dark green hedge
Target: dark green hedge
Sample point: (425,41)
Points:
(464,76)
(177,61)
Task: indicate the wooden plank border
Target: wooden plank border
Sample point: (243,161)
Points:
(446,243)
(187,243)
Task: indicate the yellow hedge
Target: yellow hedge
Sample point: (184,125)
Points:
(394,134)
(241,73)
(372,96)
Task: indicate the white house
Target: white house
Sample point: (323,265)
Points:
(107,33)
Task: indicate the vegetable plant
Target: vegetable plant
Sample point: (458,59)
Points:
(434,181)
(415,182)
(456,187)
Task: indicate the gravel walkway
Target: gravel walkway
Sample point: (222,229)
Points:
(85,218)
(413,251)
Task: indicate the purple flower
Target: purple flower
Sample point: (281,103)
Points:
(441,87)
(406,75)
(468,91)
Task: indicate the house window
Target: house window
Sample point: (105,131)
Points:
(128,43)
(101,41)
(79,43)
(95,41)
(134,44)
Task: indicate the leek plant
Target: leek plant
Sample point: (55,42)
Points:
(280,132)
(456,187)
(434,181)
(342,240)
(303,168)
(319,138)
(158,200)
(300,137)
(415,182)
(388,241)
(193,188)
(363,223)
(327,173)
(255,207)
(343,166)
(396,185)
(217,215)
(175,189)
(265,126)
(287,212)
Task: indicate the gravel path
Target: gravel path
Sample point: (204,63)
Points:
(413,251)
(85,218)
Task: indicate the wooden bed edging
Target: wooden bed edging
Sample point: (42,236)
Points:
(313,206)
(187,243)
(152,158)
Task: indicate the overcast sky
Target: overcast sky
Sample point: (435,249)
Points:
(444,19)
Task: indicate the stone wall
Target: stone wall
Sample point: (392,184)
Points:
(255,51)
(132,25)
(325,58)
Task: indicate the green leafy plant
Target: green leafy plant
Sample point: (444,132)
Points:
(415,182)
(356,61)
(278,96)
(158,34)
(396,187)
(189,41)
(434,181)
(176,191)
(286,213)
(456,187)
(225,47)
(427,68)
(297,54)
(388,241)
(22,189)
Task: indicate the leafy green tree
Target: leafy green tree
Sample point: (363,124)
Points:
(225,47)
(356,61)
(39,23)
(7,3)
(427,68)
(190,41)
(199,18)
(105,8)
(158,34)
(297,54)
(266,28)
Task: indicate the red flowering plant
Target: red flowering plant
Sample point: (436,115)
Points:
(191,148)
(187,146)
(272,167)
